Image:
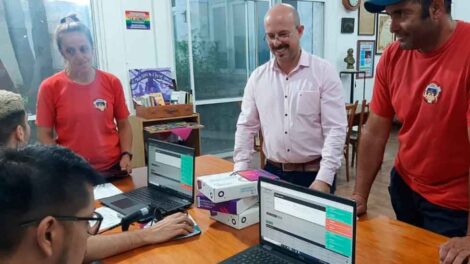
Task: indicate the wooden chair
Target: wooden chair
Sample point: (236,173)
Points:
(356,134)
(351,112)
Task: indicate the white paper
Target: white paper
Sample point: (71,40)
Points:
(105,190)
(111,218)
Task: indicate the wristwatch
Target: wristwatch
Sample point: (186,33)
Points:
(126,153)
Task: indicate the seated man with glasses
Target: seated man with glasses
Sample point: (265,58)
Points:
(296,100)
(14,134)
(47,205)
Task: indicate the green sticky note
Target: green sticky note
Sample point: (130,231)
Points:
(338,243)
(187,168)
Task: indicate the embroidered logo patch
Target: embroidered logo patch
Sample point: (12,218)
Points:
(431,93)
(100,104)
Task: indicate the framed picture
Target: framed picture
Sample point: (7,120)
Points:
(366,22)
(365,58)
(384,37)
(347,25)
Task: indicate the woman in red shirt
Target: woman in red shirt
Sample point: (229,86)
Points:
(85,106)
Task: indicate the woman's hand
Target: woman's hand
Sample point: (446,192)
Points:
(126,164)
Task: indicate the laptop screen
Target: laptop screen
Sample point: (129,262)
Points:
(171,166)
(309,225)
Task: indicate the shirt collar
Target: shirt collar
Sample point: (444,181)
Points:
(303,62)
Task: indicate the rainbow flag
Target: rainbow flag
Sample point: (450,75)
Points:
(138,20)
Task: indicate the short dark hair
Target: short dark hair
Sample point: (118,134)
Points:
(40,181)
(68,24)
(9,124)
(425,4)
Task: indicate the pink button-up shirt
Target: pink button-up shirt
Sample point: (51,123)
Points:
(302,115)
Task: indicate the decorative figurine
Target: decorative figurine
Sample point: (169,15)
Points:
(350,60)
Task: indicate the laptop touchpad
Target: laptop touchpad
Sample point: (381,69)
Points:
(124,203)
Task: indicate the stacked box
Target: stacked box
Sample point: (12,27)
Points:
(226,186)
(236,206)
(238,221)
(232,198)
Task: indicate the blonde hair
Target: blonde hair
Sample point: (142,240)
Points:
(12,114)
(10,103)
(68,24)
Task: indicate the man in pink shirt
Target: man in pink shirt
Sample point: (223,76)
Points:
(297,101)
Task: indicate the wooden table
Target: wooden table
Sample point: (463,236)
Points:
(379,239)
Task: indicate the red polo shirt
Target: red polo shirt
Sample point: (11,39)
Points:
(84,116)
(429,94)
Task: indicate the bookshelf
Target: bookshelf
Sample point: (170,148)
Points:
(139,135)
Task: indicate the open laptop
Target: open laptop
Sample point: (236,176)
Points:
(170,181)
(299,225)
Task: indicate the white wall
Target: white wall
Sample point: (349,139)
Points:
(120,49)
(460,10)
(341,43)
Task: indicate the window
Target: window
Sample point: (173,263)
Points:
(220,122)
(218,43)
(28,53)
(312,17)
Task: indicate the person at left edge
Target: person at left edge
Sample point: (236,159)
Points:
(84,106)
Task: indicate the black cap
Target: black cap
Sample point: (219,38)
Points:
(377,6)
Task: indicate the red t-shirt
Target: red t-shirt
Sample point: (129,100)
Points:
(429,94)
(83,116)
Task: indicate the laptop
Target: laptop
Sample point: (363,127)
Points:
(170,181)
(299,225)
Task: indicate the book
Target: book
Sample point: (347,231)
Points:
(158,98)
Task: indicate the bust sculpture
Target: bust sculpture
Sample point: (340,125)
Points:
(350,60)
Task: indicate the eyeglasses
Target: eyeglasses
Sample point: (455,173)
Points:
(282,36)
(94,222)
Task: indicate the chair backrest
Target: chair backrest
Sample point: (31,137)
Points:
(351,113)
(363,116)
(258,147)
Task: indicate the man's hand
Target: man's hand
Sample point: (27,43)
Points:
(455,251)
(126,164)
(168,228)
(321,186)
(361,203)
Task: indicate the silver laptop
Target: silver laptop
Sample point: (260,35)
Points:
(170,181)
(299,225)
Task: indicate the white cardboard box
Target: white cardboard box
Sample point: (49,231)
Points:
(225,187)
(247,218)
(236,206)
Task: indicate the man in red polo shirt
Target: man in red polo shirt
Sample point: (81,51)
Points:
(424,80)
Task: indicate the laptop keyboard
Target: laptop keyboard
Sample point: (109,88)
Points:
(257,255)
(146,195)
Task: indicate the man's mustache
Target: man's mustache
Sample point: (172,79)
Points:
(281,47)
